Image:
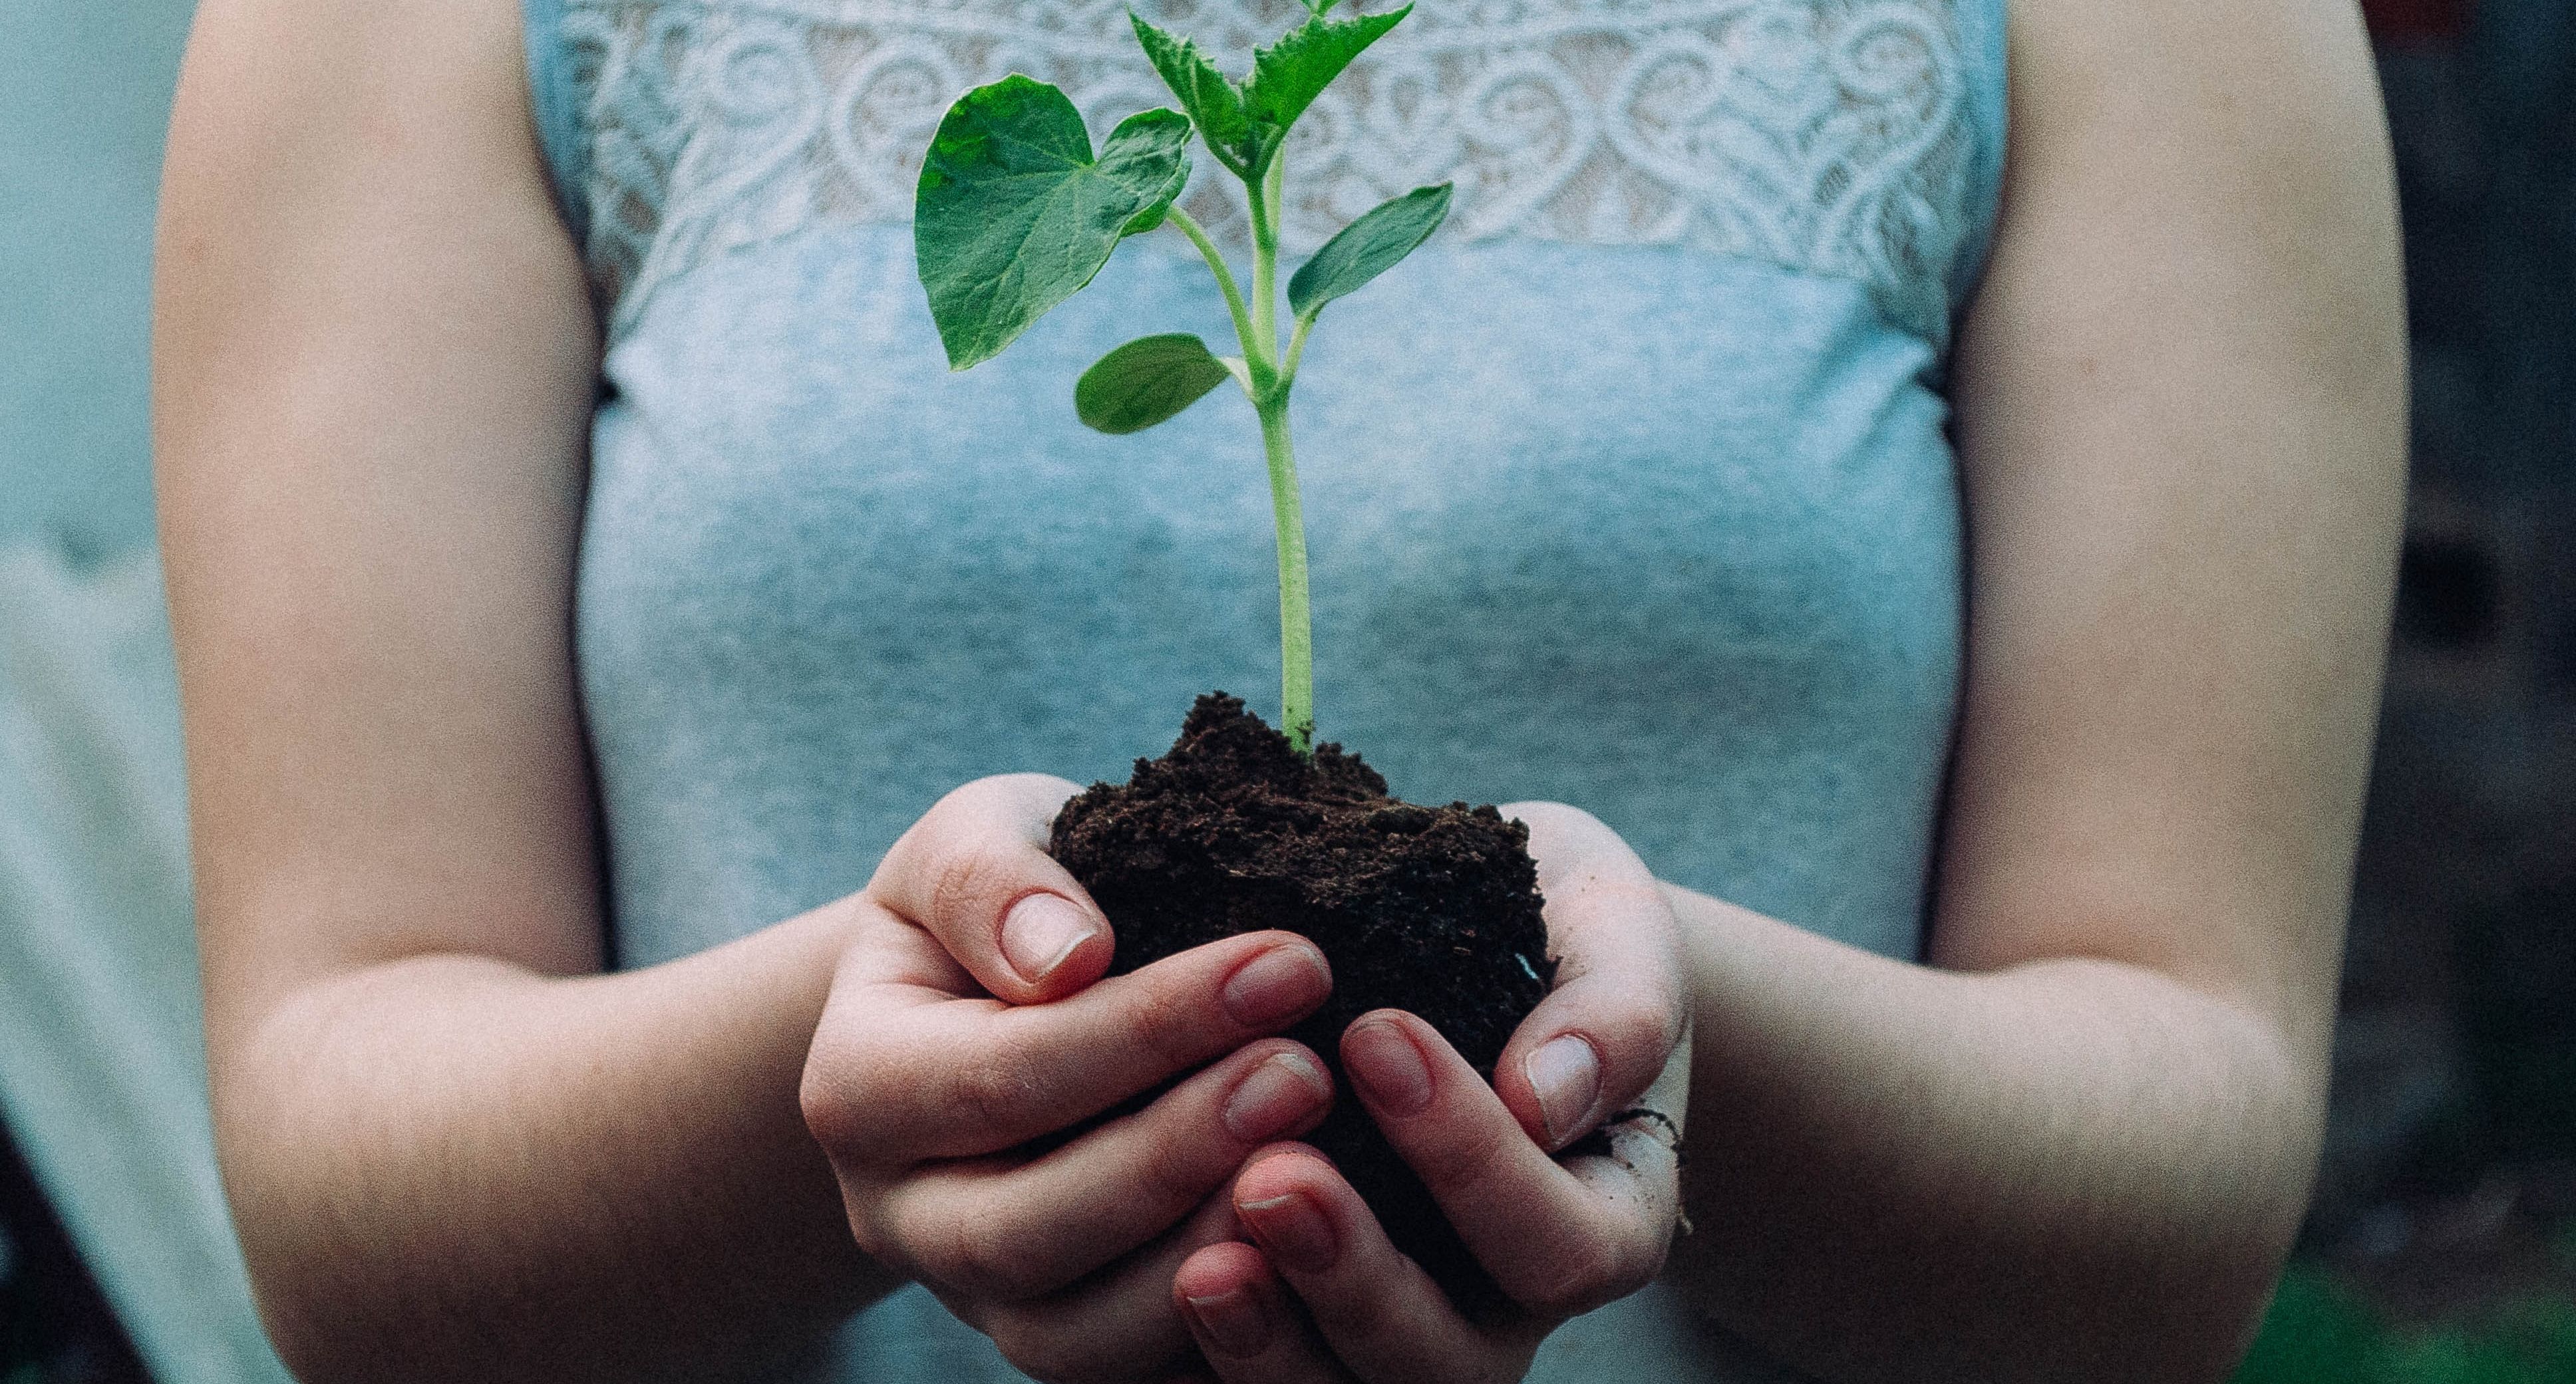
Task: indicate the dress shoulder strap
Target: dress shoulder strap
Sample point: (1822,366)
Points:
(1984,55)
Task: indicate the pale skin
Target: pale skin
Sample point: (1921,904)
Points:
(2072,1144)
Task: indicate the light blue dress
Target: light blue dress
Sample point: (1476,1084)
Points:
(1630,489)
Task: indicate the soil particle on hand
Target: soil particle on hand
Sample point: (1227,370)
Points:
(1431,910)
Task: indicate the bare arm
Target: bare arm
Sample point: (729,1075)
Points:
(2079,1147)
(452,1150)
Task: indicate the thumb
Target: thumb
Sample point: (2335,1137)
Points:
(1611,1027)
(975,875)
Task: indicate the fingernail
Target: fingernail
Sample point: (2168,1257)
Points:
(1566,1075)
(1276,986)
(1234,1323)
(1293,1231)
(1275,1097)
(1040,932)
(1387,1067)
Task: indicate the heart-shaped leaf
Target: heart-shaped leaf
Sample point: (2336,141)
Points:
(1288,75)
(1013,215)
(1368,247)
(1146,381)
(1205,93)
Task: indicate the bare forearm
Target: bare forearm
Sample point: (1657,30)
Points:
(2072,1169)
(450,1167)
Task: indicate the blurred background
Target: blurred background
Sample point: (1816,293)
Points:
(2442,1244)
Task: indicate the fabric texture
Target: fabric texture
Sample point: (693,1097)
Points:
(1838,136)
(1630,489)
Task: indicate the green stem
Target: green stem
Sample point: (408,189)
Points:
(1296,625)
(1243,328)
(1264,199)
(1257,327)
(1296,352)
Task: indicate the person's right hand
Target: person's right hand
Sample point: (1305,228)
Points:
(968,1018)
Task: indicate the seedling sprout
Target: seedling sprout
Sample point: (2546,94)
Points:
(1015,214)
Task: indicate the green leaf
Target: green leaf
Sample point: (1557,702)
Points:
(1288,75)
(1146,381)
(1368,247)
(1013,215)
(1147,219)
(1211,100)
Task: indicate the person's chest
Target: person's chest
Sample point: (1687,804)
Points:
(1667,535)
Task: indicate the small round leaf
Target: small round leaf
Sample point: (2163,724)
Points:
(1146,381)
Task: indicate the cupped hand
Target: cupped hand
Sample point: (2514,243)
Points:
(1320,1294)
(968,1018)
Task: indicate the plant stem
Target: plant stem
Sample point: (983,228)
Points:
(1296,352)
(1296,625)
(1287,511)
(1189,226)
(1264,198)
(1262,378)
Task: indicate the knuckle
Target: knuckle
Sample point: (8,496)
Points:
(1176,1175)
(959,879)
(1169,1021)
(1632,1019)
(1039,1346)
(875,1227)
(1459,1164)
(1358,1316)
(1645,1264)
(978,1257)
(1586,1272)
(1635,1041)
(915,849)
(1033,1349)
(831,1107)
(1569,1281)
(986,1091)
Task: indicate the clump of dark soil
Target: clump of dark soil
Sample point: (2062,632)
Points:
(1431,910)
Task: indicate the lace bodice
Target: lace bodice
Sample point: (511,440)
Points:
(1826,136)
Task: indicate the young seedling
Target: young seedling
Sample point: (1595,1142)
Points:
(1015,214)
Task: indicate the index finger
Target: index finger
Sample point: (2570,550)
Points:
(897,1076)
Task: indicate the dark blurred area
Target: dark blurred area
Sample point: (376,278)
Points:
(2446,1207)
(2450,1173)
(54,1326)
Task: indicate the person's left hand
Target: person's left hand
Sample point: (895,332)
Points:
(1560,1236)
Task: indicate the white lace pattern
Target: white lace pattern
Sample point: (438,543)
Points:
(1829,136)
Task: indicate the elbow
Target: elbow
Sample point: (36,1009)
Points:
(2208,1265)
(316,1298)
(348,1286)
(2159,1264)
(2214,1304)
(2154,1299)
(2261,1202)
(312,1353)
(2241,1273)
(341,1272)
